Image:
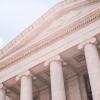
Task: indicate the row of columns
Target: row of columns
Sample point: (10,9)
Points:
(57,79)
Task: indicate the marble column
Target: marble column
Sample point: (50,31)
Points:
(57,79)
(74,88)
(8,98)
(93,66)
(83,88)
(2,93)
(26,86)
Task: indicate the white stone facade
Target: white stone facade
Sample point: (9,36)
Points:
(55,66)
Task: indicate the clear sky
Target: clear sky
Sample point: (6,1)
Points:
(16,15)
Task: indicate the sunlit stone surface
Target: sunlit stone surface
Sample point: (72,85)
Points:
(56,57)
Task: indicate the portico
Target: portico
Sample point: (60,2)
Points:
(57,79)
(55,66)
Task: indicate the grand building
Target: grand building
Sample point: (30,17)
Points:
(55,58)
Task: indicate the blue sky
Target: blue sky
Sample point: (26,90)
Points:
(16,15)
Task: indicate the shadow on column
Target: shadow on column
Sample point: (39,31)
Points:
(88,87)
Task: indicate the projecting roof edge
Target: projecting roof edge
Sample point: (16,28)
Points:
(86,20)
(38,26)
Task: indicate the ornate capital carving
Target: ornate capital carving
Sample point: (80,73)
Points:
(90,41)
(55,58)
(27,73)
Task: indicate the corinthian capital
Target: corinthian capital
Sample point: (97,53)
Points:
(27,73)
(55,58)
(90,41)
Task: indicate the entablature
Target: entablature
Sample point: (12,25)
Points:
(39,26)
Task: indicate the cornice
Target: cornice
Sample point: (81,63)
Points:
(38,26)
(75,26)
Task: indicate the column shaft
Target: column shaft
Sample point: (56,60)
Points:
(93,66)
(26,88)
(2,94)
(74,89)
(8,98)
(57,81)
(83,88)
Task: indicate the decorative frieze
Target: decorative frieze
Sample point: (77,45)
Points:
(32,27)
(52,14)
(93,16)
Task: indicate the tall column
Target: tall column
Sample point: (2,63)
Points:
(26,86)
(83,88)
(57,79)
(74,89)
(93,66)
(8,98)
(2,93)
